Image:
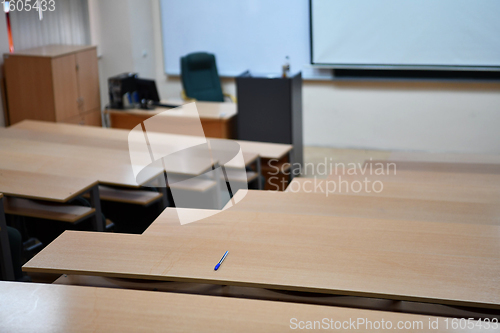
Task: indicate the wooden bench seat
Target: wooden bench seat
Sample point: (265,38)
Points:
(134,197)
(49,211)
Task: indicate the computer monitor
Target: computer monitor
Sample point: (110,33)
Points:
(146,89)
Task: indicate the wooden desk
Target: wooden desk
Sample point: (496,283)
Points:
(403,190)
(370,207)
(56,308)
(434,262)
(217,119)
(424,166)
(438,177)
(49,188)
(118,139)
(6,268)
(39,186)
(278,296)
(454,158)
(108,166)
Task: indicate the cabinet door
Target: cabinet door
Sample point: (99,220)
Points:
(65,87)
(88,80)
(30,93)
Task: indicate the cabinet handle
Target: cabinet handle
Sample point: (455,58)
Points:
(77,67)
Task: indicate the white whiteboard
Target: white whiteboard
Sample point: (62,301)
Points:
(410,33)
(253,35)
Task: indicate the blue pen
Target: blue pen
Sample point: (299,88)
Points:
(220,262)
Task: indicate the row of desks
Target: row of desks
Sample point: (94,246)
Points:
(73,158)
(418,247)
(425,249)
(57,308)
(413,259)
(57,162)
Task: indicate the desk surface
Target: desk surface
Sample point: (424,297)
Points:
(33,185)
(118,139)
(57,308)
(107,166)
(406,190)
(369,207)
(206,110)
(436,177)
(444,157)
(446,263)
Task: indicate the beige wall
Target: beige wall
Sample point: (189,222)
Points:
(399,115)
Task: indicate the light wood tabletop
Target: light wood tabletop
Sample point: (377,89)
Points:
(279,296)
(52,50)
(118,138)
(57,308)
(396,189)
(434,262)
(455,158)
(207,110)
(49,187)
(369,207)
(434,177)
(51,159)
(479,168)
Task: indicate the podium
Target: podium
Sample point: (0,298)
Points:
(270,110)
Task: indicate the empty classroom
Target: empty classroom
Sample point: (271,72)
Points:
(250,166)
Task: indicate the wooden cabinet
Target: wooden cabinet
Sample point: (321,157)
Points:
(57,83)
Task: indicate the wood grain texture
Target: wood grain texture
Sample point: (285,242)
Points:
(58,308)
(445,157)
(217,119)
(445,263)
(206,110)
(370,207)
(404,190)
(272,295)
(53,50)
(49,187)
(65,83)
(92,118)
(48,211)
(44,84)
(478,168)
(212,127)
(108,166)
(436,177)
(30,93)
(88,80)
(134,197)
(114,138)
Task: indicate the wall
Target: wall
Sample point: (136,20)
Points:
(423,116)
(4,48)
(123,32)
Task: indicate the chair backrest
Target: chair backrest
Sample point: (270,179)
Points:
(200,78)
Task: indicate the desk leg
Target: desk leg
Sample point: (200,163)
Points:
(95,202)
(258,169)
(164,190)
(5,256)
(291,167)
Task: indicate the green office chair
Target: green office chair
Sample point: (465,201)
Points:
(200,78)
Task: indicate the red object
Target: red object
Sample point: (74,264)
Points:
(9,32)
